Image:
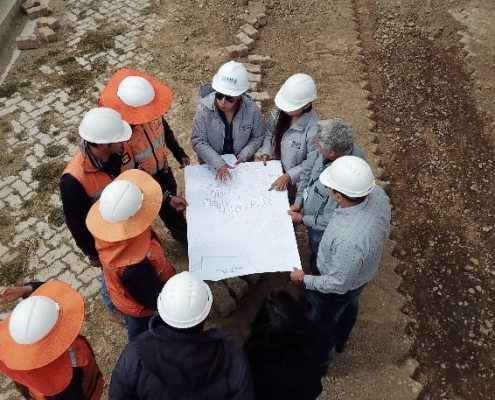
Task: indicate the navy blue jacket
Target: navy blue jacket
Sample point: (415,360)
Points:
(166,364)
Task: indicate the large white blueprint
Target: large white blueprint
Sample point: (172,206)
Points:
(238,227)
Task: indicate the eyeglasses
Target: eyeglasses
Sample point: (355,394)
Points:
(221,96)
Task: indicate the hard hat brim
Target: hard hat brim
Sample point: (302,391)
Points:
(139,222)
(22,357)
(49,380)
(136,115)
(285,106)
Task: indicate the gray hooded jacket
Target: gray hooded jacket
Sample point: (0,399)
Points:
(209,130)
(297,142)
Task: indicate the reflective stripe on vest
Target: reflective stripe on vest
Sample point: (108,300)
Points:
(115,257)
(148,146)
(91,178)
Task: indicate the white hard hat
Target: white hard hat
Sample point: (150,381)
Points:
(104,125)
(33,319)
(185,301)
(296,92)
(231,79)
(120,200)
(135,91)
(349,175)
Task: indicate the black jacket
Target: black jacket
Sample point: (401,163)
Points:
(167,364)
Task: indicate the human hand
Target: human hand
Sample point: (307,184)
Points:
(281,182)
(8,294)
(223,174)
(239,161)
(296,217)
(265,158)
(185,161)
(297,275)
(95,262)
(295,208)
(178,203)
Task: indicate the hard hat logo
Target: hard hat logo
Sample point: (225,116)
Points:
(231,79)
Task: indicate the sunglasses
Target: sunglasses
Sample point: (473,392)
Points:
(221,96)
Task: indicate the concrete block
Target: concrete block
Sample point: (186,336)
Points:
(27,42)
(253,87)
(262,97)
(237,51)
(29,4)
(253,68)
(223,303)
(249,19)
(254,77)
(236,286)
(49,22)
(47,34)
(37,12)
(250,31)
(252,279)
(264,61)
(245,40)
(261,19)
(257,7)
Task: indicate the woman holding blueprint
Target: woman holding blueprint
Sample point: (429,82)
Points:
(227,121)
(291,130)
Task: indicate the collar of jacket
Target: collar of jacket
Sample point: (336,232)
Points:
(160,330)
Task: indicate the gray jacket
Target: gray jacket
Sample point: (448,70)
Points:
(297,142)
(209,130)
(318,205)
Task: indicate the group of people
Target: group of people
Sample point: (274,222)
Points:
(119,181)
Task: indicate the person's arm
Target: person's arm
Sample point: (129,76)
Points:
(76,204)
(125,375)
(341,262)
(256,137)
(142,283)
(11,293)
(200,142)
(296,170)
(74,390)
(242,383)
(174,146)
(270,128)
(304,177)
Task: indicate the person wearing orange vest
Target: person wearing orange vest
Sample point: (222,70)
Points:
(41,349)
(134,264)
(102,156)
(142,101)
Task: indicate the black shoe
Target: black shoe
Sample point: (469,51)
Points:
(340,348)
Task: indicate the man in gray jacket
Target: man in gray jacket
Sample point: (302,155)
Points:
(227,121)
(313,206)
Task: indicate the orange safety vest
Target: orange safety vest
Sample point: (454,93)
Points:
(116,257)
(92,179)
(149,147)
(82,356)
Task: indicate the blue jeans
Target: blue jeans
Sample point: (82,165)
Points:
(136,325)
(107,301)
(335,314)
(314,238)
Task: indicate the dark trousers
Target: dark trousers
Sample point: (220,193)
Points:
(136,325)
(173,220)
(335,314)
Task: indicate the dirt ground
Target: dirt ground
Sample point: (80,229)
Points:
(417,81)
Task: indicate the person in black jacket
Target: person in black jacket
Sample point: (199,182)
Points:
(176,358)
(283,351)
